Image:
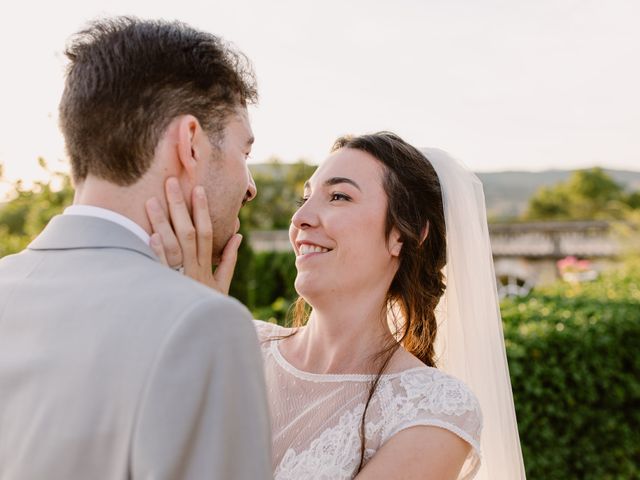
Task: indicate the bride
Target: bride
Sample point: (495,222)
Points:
(396,354)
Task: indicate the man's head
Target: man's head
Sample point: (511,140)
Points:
(150,99)
(128,78)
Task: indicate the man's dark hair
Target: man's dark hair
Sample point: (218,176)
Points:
(128,78)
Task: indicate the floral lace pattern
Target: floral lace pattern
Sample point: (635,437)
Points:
(329,455)
(316,419)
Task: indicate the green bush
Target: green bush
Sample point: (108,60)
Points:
(276,312)
(264,283)
(273,274)
(239,287)
(30,209)
(575,373)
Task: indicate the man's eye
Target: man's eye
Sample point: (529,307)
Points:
(301,201)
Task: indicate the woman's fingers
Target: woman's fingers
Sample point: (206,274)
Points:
(190,242)
(158,248)
(171,251)
(224,271)
(182,224)
(204,229)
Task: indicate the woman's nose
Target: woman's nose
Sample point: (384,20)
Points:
(305,216)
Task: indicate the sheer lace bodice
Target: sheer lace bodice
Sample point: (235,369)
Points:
(316,418)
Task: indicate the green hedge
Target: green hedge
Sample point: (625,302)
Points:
(575,371)
(264,283)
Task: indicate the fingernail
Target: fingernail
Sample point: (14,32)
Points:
(155,239)
(200,193)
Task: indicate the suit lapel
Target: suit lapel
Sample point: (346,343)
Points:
(68,232)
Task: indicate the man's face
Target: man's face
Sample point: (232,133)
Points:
(227,180)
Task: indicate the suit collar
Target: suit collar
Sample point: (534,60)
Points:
(68,232)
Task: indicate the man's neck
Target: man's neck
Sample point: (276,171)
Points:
(126,201)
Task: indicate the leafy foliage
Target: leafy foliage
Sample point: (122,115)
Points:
(587,195)
(279,186)
(27,213)
(575,373)
(267,281)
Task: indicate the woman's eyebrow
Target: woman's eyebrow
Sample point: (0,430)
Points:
(335,181)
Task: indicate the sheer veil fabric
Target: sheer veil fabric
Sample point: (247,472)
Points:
(470,342)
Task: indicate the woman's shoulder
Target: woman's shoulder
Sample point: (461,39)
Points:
(430,387)
(436,391)
(267,330)
(427,396)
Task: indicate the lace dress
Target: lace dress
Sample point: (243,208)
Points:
(316,418)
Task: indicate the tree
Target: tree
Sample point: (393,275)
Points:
(279,186)
(548,203)
(633,200)
(27,213)
(587,195)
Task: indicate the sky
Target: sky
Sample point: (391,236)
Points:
(503,85)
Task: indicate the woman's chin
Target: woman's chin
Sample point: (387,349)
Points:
(309,287)
(314,289)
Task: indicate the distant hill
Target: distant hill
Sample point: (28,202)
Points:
(507,192)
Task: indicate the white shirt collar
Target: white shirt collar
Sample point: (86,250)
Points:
(110,215)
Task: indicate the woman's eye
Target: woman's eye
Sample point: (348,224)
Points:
(339,196)
(301,201)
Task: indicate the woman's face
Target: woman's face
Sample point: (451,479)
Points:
(338,233)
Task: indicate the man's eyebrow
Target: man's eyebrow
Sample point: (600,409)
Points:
(335,181)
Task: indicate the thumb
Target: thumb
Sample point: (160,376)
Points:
(224,270)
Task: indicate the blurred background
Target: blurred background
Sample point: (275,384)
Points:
(539,98)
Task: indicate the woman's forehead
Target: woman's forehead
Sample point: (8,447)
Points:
(357,165)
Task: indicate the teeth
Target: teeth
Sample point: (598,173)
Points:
(306,248)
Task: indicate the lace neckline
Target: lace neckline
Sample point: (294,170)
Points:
(331,377)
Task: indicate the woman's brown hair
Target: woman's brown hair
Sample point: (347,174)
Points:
(416,211)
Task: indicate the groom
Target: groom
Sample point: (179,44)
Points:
(113,366)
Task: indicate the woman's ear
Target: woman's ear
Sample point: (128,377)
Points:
(189,133)
(395,242)
(425,233)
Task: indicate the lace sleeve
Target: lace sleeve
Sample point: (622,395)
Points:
(429,397)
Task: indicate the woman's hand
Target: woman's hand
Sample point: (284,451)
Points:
(189,242)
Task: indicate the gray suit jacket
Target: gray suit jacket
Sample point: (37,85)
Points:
(113,366)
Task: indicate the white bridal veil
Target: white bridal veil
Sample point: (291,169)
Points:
(470,342)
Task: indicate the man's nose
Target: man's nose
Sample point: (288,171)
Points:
(252,190)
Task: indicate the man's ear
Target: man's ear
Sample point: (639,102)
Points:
(190,134)
(395,242)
